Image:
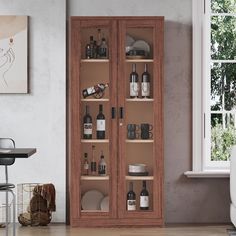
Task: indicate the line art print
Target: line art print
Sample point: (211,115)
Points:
(13,54)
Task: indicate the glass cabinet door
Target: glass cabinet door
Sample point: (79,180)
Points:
(140,127)
(94,156)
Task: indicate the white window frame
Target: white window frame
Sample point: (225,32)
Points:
(202,166)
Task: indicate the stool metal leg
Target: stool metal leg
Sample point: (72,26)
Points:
(7,212)
(14,213)
(7,218)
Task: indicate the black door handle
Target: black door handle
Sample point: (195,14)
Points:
(113,113)
(121,112)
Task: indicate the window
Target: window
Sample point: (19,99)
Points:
(214,84)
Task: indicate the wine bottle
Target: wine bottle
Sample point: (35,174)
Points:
(144,198)
(95,48)
(145,83)
(134,86)
(131,198)
(103,49)
(99,43)
(88,124)
(93,164)
(88,51)
(96,89)
(86,164)
(91,43)
(101,123)
(102,166)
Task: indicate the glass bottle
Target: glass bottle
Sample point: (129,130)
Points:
(102,166)
(93,164)
(91,43)
(86,164)
(99,42)
(96,89)
(101,123)
(134,86)
(131,198)
(145,83)
(144,198)
(103,49)
(88,124)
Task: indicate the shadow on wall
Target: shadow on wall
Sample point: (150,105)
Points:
(186,200)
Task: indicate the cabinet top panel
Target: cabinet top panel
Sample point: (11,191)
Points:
(116,18)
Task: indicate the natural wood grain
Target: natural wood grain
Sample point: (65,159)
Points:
(95,60)
(177,230)
(94,140)
(139,177)
(139,99)
(139,141)
(94,100)
(94,177)
(116,28)
(139,60)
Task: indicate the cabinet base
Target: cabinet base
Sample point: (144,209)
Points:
(117,223)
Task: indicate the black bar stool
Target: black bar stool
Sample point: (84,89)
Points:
(6,143)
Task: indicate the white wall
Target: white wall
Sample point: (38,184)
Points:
(173,10)
(37,119)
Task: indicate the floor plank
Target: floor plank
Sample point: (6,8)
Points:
(176,230)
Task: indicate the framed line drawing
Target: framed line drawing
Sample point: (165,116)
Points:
(13,54)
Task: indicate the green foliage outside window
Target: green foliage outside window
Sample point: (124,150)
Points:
(222,141)
(223,6)
(223,78)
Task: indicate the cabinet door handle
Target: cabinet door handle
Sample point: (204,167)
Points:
(121,112)
(113,113)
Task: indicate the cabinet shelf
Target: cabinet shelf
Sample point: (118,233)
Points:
(139,60)
(139,100)
(94,140)
(94,60)
(95,100)
(139,141)
(94,177)
(93,211)
(139,177)
(137,212)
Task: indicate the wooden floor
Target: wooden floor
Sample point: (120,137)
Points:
(177,230)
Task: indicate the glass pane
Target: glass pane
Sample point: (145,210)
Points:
(223,34)
(223,136)
(223,6)
(223,86)
(216,87)
(139,42)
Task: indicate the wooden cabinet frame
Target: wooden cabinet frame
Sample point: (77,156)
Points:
(117,215)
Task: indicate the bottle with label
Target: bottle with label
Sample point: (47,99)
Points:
(131,198)
(102,166)
(144,198)
(103,49)
(134,86)
(88,51)
(96,89)
(101,123)
(145,83)
(91,43)
(88,124)
(93,163)
(86,164)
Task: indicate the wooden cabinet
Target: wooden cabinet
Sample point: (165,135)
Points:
(120,110)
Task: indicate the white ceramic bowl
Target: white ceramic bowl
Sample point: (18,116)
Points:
(137,168)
